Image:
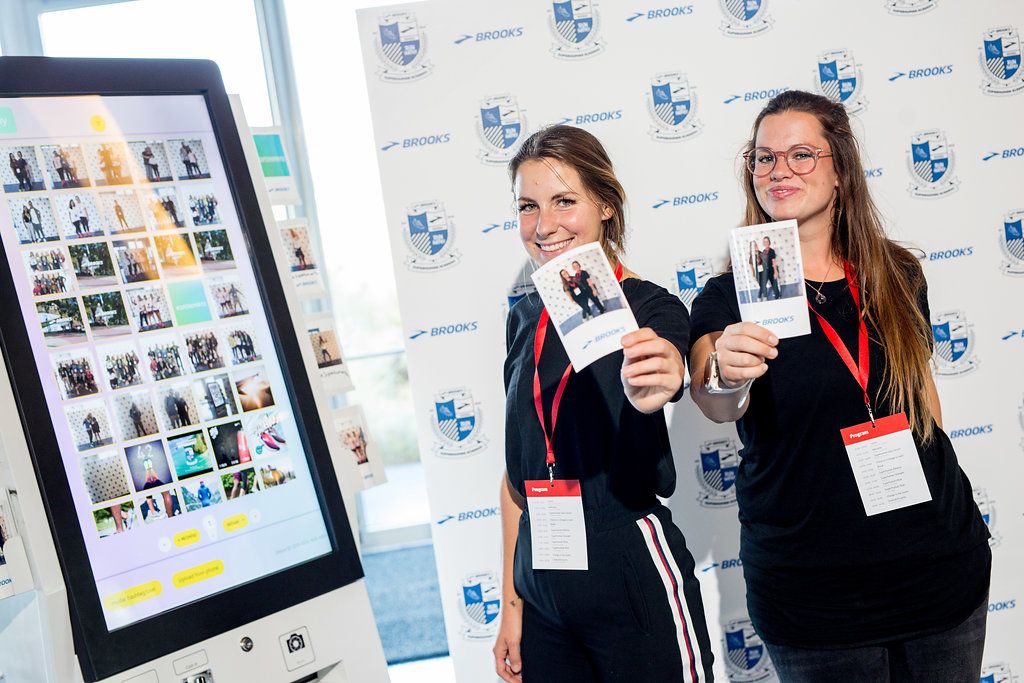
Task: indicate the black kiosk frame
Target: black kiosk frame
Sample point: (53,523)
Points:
(103,653)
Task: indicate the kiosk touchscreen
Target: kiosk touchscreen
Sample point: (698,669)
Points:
(164,401)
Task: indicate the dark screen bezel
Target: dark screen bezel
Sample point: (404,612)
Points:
(103,653)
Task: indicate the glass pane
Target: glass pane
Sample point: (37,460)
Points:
(184,29)
(343,162)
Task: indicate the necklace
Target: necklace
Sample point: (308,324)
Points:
(820,298)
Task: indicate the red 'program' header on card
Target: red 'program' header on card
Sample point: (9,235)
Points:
(865,432)
(542,488)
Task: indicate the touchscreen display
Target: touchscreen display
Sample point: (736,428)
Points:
(151,339)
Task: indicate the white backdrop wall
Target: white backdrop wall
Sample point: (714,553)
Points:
(456,85)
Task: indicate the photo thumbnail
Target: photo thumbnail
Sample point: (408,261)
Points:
(191,454)
(134,414)
(149,160)
(159,505)
(75,373)
(78,215)
(200,493)
(92,264)
(213,397)
(175,406)
(116,519)
(90,424)
(65,165)
(106,314)
(61,320)
(21,172)
(121,364)
(147,463)
(104,476)
(33,219)
(188,158)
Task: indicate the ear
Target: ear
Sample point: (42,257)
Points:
(606,212)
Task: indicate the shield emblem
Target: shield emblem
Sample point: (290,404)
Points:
(950,341)
(1013,238)
(984,506)
(670,98)
(481,598)
(1002,53)
(837,75)
(719,467)
(455,414)
(691,275)
(573,21)
(500,122)
(744,10)
(742,654)
(428,227)
(399,38)
(930,156)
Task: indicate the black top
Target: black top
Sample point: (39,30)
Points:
(819,571)
(621,456)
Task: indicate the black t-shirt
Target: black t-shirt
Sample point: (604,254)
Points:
(621,456)
(819,571)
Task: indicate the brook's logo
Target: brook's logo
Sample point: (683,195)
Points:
(672,105)
(480,603)
(1012,242)
(501,127)
(988,513)
(745,17)
(746,659)
(931,161)
(429,233)
(716,473)
(954,343)
(575,28)
(457,424)
(909,7)
(1000,62)
(691,275)
(401,47)
(839,79)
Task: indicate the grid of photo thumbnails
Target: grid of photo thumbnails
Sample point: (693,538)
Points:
(147,326)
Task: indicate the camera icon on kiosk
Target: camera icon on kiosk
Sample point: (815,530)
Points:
(295,642)
(297,648)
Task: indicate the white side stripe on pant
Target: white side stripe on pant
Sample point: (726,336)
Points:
(672,579)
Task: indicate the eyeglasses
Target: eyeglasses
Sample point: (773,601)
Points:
(801,159)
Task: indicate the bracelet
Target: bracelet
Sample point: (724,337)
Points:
(713,376)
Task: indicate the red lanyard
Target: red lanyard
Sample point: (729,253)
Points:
(538,347)
(859,370)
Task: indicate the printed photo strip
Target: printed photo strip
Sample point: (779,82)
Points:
(769,277)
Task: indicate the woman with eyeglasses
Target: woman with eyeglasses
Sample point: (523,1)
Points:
(837,594)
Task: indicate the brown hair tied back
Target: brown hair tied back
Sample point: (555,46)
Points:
(577,148)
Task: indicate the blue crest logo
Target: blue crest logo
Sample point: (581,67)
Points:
(744,18)
(746,659)
(429,233)
(1012,241)
(401,47)
(501,127)
(1000,62)
(691,275)
(717,466)
(988,513)
(930,161)
(480,603)
(954,345)
(910,7)
(672,104)
(456,420)
(998,673)
(574,26)
(839,79)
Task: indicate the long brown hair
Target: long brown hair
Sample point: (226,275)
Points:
(889,275)
(577,148)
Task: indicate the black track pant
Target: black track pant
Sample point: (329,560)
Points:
(635,615)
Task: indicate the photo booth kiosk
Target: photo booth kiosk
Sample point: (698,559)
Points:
(170,492)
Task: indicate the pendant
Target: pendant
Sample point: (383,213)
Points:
(819,298)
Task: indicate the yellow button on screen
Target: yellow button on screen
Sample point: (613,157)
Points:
(132,596)
(98,123)
(186,577)
(236,522)
(187,537)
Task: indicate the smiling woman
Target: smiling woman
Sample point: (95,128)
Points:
(612,451)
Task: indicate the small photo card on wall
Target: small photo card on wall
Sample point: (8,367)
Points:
(275,165)
(587,307)
(329,358)
(769,275)
(302,258)
(356,443)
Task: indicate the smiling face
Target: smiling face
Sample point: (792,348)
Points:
(556,213)
(783,194)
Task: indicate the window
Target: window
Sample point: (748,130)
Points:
(184,29)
